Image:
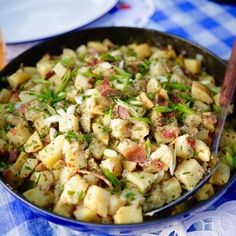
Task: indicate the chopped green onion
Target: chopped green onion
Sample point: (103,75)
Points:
(115,182)
(162,109)
(121,71)
(70,192)
(11,107)
(130,196)
(145,119)
(187,97)
(148,148)
(184,108)
(229,160)
(80,195)
(177,86)
(51,110)
(3,165)
(216,108)
(108,57)
(144,67)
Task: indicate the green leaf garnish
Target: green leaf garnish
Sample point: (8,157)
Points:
(177,86)
(162,109)
(115,182)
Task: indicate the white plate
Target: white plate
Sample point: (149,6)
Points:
(28,20)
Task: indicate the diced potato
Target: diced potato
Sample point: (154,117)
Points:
(5,95)
(59,70)
(189,172)
(113,164)
(147,103)
(153,86)
(33,144)
(201,92)
(203,151)
(96,148)
(39,197)
(203,135)
(128,215)
(66,174)
(103,68)
(129,166)
(97,199)
(166,53)
(201,106)
(171,189)
(139,130)
(63,209)
(41,126)
(85,121)
(75,156)
(166,133)
(44,65)
(221,175)
(52,152)
(143,180)
(143,50)
(193,65)
(101,133)
(97,46)
(157,68)
(193,120)
(115,203)
(119,128)
(132,195)
(43,179)
(205,192)
(19,77)
(156,199)
(82,82)
(163,154)
(20,160)
(19,135)
(83,213)
(68,122)
(183,147)
(26,97)
(74,190)
(28,167)
(228,138)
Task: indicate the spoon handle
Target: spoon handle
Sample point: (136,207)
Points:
(229,83)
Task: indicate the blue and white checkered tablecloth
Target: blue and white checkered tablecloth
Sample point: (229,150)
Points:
(205,22)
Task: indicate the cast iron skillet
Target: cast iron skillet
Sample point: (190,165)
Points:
(118,35)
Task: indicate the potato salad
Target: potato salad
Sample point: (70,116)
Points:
(106,132)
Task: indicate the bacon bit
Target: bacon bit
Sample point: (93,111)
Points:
(124,6)
(94,62)
(152,165)
(49,74)
(136,153)
(191,142)
(105,88)
(99,176)
(133,68)
(40,167)
(15,96)
(168,134)
(7,175)
(121,112)
(175,99)
(13,156)
(12,131)
(210,138)
(21,109)
(47,140)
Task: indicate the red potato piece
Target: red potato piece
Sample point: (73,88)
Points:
(136,153)
(121,112)
(152,166)
(106,90)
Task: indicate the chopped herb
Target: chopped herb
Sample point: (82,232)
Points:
(11,107)
(144,67)
(130,196)
(145,119)
(183,108)
(148,148)
(162,109)
(37,181)
(195,154)
(186,173)
(3,165)
(177,86)
(86,137)
(67,61)
(115,182)
(187,97)
(215,108)
(122,72)
(108,57)
(21,149)
(28,168)
(80,195)
(70,135)
(8,127)
(70,192)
